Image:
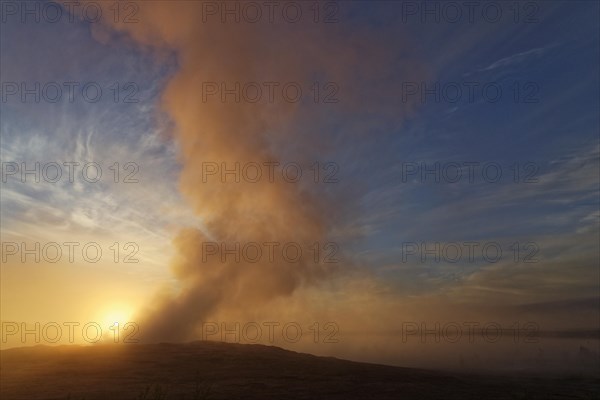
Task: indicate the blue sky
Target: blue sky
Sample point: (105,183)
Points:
(553,62)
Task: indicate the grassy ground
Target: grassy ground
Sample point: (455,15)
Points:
(209,370)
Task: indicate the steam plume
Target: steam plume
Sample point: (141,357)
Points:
(242,132)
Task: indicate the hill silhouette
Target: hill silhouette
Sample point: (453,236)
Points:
(215,370)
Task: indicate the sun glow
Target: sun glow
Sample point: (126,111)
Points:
(117,324)
(117,314)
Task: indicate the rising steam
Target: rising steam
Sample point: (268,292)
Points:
(209,130)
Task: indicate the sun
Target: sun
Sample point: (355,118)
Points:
(115,315)
(116,323)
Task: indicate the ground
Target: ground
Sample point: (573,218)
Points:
(211,370)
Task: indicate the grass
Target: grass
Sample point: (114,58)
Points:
(160,392)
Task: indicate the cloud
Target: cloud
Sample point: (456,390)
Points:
(517,58)
(230,132)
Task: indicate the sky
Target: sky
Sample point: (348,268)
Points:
(433,163)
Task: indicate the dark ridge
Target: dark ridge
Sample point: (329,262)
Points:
(214,370)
